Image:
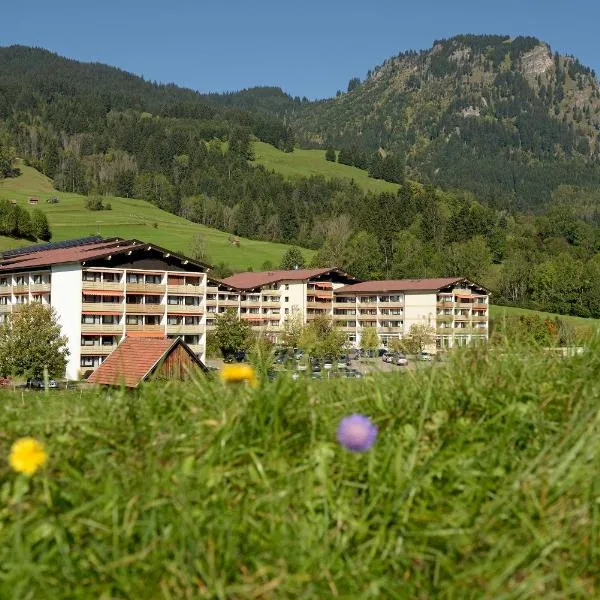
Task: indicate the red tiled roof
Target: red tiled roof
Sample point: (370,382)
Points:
(79,254)
(134,359)
(250,279)
(400,285)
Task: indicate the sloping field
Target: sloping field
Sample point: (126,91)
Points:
(132,218)
(497,312)
(304,163)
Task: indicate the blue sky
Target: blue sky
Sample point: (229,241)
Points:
(308,48)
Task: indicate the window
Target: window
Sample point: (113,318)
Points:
(287,311)
(91,276)
(191,339)
(171,320)
(192,320)
(152,320)
(152,300)
(175,300)
(111,277)
(134,299)
(154,279)
(20,280)
(3,300)
(90,341)
(135,278)
(192,281)
(90,361)
(287,286)
(37,279)
(110,319)
(3,282)
(192,301)
(133,320)
(90,319)
(21,299)
(286,299)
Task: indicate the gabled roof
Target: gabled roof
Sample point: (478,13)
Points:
(250,280)
(135,358)
(40,256)
(403,285)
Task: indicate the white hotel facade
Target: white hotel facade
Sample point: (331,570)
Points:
(105,289)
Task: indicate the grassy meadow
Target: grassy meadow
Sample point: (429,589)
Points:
(304,163)
(484,482)
(497,312)
(132,218)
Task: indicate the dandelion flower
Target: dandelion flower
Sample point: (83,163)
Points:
(27,455)
(356,433)
(239,374)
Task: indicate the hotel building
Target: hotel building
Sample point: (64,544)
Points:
(105,289)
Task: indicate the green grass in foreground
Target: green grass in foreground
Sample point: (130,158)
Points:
(135,219)
(497,312)
(304,163)
(484,483)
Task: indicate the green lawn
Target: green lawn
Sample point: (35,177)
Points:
(483,483)
(304,163)
(132,218)
(498,311)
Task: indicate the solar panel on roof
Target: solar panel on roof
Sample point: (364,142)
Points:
(52,246)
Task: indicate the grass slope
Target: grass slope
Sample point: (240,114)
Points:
(483,483)
(496,312)
(304,163)
(132,218)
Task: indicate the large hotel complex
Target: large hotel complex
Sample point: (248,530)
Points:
(105,289)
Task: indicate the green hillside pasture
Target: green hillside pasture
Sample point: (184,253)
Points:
(304,163)
(132,218)
(483,483)
(496,312)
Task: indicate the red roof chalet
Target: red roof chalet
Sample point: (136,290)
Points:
(136,359)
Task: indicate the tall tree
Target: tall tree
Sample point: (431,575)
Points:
(39,225)
(31,341)
(232,334)
(292,259)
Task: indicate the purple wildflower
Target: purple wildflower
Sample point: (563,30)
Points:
(356,433)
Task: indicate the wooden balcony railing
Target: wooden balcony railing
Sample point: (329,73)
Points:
(140,288)
(101,328)
(39,287)
(106,286)
(100,307)
(157,329)
(98,350)
(145,309)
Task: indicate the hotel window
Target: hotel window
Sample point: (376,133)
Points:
(153,279)
(133,320)
(171,320)
(110,319)
(3,281)
(152,300)
(175,300)
(4,300)
(19,280)
(90,341)
(135,278)
(21,299)
(192,320)
(91,276)
(192,281)
(192,301)
(37,279)
(91,319)
(111,277)
(152,320)
(191,339)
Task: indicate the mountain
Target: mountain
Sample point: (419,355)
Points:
(506,118)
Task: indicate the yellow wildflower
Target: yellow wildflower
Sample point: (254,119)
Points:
(239,374)
(27,455)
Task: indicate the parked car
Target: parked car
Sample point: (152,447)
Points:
(343,362)
(39,383)
(387,357)
(353,373)
(328,363)
(401,360)
(425,356)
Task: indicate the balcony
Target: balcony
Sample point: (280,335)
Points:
(462,317)
(319,305)
(146,288)
(196,348)
(193,290)
(362,317)
(156,329)
(97,350)
(445,330)
(184,309)
(211,289)
(5,308)
(444,318)
(445,304)
(270,304)
(347,317)
(20,289)
(382,329)
(185,329)
(370,304)
(480,318)
(145,309)
(100,307)
(479,306)
(232,303)
(101,328)
(102,286)
(39,287)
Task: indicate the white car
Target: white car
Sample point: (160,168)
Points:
(424,356)
(401,360)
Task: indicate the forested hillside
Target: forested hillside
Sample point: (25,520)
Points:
(492,105)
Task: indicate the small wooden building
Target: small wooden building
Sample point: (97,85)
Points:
(138,359)
(33,200)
